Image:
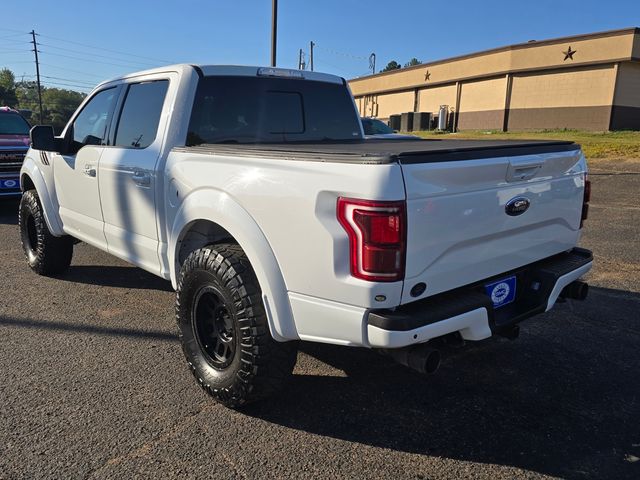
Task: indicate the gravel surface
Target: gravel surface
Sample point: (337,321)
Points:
(94,384)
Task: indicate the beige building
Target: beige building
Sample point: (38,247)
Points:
(585,82)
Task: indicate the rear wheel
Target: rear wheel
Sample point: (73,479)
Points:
(46,254)
(224,330)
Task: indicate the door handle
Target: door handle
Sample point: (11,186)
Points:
(142,179)
(90,170)
(524,173)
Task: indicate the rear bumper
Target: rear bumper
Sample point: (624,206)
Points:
(469,311)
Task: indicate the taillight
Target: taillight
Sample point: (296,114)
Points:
(377,238)
(585,200)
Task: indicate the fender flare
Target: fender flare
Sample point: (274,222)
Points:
(49,203)
(220,208)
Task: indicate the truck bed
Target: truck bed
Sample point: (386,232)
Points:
(388,151)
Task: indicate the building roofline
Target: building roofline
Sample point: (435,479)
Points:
(516,46)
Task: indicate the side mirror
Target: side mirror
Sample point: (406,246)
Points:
(42,138)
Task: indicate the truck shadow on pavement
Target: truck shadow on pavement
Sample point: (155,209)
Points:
(89,329)
(125,276)
(564,399)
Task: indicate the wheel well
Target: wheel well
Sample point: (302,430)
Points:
(26,183)
(199,234)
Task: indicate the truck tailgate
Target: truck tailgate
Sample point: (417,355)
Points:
(466,220)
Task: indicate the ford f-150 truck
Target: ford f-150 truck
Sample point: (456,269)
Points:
(14,143)
(255,193)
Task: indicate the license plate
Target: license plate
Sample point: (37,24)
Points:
(502,292)
(7,183)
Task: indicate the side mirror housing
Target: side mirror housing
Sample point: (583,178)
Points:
(42,138)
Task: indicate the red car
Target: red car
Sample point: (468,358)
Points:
(14,143)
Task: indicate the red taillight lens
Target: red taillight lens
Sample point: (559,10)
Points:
(377,238)
(585,200)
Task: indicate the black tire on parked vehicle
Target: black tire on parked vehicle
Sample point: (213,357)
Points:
(223,328)
(46,254)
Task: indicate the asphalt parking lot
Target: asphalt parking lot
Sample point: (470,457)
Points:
(94,384)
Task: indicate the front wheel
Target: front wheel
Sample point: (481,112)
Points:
(46,254)
(224,330)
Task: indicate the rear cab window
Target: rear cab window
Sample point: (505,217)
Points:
(238,109)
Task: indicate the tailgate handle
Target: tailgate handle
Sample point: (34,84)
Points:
(521,172)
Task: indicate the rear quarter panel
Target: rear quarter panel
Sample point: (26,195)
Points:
(293,203)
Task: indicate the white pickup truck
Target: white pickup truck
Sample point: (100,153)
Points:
(255,193)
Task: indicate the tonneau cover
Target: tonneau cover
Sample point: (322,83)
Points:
(388,151)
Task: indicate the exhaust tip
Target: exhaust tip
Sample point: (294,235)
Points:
(511,333)
(432,362)
(424,360)
(419,358)
(576,290)
(582,290)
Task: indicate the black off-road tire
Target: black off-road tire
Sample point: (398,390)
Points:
(224,330)
(46,254)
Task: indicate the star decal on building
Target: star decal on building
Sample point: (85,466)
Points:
(427,76)
(568,55)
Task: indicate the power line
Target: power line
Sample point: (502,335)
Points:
(60,78)
(97,55)
(66,82)
(341,54)
(67,85)
(89,60)
(70,70)
(13,35)
(91,84)
(335,67)
(14,40)
(14,30)
(106,49)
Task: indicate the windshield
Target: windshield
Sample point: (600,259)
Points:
(13,124)
(271,110)
(373,126)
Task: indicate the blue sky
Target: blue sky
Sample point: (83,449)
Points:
(135,34)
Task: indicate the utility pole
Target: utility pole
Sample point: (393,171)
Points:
(300,60)
(372,63)
(274,30)
(311,55)
(35,51)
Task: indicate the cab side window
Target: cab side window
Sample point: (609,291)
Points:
(140,115)
(90,126)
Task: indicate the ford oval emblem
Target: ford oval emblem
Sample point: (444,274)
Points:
(517,206)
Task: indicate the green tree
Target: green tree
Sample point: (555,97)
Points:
(414,61)
(8,88)
(27,95)
(57,104)
(392,65)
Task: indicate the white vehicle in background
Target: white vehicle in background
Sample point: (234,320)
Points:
(376,129)
(254,192)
